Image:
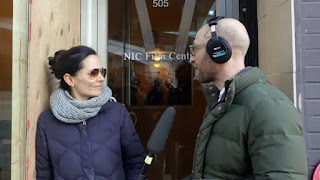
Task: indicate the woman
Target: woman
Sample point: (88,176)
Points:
(85,134)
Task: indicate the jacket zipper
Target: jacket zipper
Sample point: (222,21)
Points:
(197,143)
(84,123)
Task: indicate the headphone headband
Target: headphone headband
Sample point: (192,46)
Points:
(212,24)
(214,21)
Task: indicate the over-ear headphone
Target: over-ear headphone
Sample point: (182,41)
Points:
(218,48)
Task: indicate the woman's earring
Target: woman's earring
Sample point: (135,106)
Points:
(72,85)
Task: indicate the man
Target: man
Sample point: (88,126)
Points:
(253,131)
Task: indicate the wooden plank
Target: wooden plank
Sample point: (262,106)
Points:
(19,70)
(55,25)
(145,25)
(185,25)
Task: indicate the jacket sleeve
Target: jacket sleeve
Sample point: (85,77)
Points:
(43,162)
(276,144)
(132,150)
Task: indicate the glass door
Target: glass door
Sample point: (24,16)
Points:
(148,71)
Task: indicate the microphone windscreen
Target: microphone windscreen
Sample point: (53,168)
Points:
(160,133)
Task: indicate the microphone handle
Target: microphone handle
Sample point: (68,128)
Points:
(142,175)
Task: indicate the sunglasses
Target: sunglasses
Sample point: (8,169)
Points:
(94,73)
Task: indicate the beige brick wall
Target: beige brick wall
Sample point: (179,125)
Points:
(275,43)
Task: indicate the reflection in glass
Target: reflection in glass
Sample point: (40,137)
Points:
(149,70)
(146,50)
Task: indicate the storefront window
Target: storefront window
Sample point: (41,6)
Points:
(148,51)
(149,70)
(5,87)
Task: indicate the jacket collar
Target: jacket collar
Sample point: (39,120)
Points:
(233,86)
(241,81)
(246,78)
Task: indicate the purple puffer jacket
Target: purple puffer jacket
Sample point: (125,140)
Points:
(106,148)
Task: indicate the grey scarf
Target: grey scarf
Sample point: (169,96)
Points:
(69,110)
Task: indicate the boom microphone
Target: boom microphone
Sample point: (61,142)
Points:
(160,133)
(158,138)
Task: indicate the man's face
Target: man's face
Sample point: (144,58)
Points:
(205,69)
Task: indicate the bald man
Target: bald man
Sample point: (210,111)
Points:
(252,131)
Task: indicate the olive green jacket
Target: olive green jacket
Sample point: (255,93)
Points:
(255,132)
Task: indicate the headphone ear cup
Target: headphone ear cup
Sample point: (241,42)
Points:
(219,50)
(209,48)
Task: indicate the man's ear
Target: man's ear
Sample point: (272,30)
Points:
(68,79)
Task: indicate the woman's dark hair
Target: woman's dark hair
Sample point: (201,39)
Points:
(69,61)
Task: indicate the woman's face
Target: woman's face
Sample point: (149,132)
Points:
(89,80)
